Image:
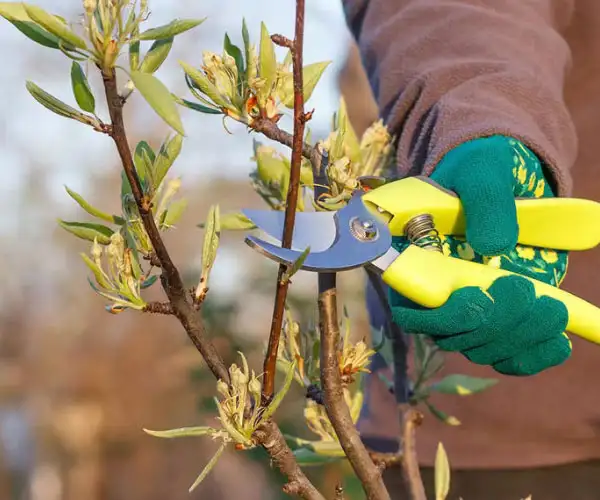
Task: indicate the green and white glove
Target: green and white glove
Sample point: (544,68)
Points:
(506,326)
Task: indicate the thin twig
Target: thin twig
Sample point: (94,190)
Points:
(159,308)
(271,130)
(270,363)
(409,417)
(170,277)
(269,435)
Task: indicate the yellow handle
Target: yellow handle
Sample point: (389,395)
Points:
(558,223)
(429,278)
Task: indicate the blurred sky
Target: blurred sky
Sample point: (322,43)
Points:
(68,151)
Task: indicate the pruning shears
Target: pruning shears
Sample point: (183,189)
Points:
(360,234)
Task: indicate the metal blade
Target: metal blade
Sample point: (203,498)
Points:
(360,237)
(311,229)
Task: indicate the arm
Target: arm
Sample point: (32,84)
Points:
(448,71)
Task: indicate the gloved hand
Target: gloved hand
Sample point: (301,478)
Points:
(506,326)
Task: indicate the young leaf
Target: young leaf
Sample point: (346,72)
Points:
(196,106)
(208,467)
(246,38)
(270,166)
(144,158)
(267,60)
(167,154)
(93,210)
(181,432)
(443,416)
(101,278)
(88,231)
(235,52)
(233,221)
(211,241)
(272,408)
(175,27)
(307,458)
(442,473)
(159,98)
(81,88)
(134,51)
(156,55)
(56,105)
(311,75)
(16,14)
(174,212)
(149,281)
(204,85)
(54,25)
(296,265)
(463,385)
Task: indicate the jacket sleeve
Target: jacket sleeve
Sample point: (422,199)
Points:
(447,71)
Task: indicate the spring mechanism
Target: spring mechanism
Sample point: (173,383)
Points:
(421,231)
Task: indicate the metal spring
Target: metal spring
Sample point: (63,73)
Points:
(421,231)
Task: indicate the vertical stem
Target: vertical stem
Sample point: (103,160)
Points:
(296,48)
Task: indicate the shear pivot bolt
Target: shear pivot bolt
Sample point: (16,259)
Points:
(363,230)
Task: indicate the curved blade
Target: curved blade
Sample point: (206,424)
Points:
(311,229)
(347,251)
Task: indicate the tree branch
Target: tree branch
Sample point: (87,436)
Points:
(410,419)
(335,404)
(270,363)
(181,304)
(170,278)
(269,435)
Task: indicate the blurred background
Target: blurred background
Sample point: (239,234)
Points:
(78,385)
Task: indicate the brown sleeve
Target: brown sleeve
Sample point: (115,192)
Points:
(447,71)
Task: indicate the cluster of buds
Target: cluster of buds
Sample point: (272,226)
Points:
(350,159)
(109,24)
(117,273)
(247,85)
(240,413)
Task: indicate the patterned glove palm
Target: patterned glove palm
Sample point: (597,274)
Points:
(506,326)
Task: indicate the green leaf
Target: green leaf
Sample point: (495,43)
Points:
(15,13)
(144,158)
(196,106)
(149,281)
(307,458)
(204,85)
(93,210)
(167,154)
(296,265)
(211,242)
(174,212)
(271,167)
(267,62)
(134,52)
(159,98)
(246,39)
(233,221)
(175,27)
(442,473)
(463,385)
(440,415)
(54,25)
(208,468)
(56,105)
(156,55)
(101,278)
(311,75)
(88,231)
(81,88)
(277,400)
(181,432)
(235,52)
